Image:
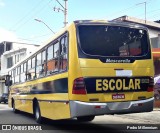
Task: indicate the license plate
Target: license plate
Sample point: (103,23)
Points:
(118,96)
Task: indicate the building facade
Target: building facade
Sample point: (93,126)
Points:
(10,54)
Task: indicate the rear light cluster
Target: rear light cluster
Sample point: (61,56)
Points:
(151,84)
(79,86)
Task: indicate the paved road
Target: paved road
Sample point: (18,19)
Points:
(101,123)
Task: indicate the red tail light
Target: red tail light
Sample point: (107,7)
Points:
(151,84)
(79,86)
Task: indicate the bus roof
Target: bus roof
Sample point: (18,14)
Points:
(112,22)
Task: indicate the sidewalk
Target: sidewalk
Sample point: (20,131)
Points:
(156,109)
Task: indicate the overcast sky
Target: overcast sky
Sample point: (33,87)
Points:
(17,16)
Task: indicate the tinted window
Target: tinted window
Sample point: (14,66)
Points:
(103,40)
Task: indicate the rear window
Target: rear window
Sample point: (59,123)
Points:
(104,40)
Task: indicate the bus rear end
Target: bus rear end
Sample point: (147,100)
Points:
(112,72)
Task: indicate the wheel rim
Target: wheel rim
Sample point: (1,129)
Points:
(14,107)
(37,113)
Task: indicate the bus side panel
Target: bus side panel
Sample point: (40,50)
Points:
(24,105)
(55,110)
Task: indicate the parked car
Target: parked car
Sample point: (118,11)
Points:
(4,98)
(157,91)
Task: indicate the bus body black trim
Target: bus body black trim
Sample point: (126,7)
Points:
(49,87)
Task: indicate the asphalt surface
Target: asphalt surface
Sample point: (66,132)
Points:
(106,123)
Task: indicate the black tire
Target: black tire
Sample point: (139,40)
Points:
(85,118)
(14,108)
(37,114)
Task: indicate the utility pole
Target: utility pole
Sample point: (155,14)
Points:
(65,13)
(145,9)
(64,10)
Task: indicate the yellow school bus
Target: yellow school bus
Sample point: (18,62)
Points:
(89,68)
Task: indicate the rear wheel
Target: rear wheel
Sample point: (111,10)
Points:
(85,118)
(37,113)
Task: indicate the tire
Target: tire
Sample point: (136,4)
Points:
(14,108)
(37,114)
(85,118)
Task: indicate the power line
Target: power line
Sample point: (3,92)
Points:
(123,10)
(155,15)
(30,18)
(40,36)
(32,39)
(149,12)
(31,11)
(127,9)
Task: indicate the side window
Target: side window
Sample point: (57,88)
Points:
(50,52)
(33,62)
(31,69)
(39,70)
(41,64)
(52,58)
(44,67)
(63,53)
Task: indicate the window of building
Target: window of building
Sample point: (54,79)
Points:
(8,46)
(9,62)
(22,70)
(29,64)
(33,62)
(1,48)
(24,67)
(18,58)
(15,61)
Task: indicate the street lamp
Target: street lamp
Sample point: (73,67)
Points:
(38,20)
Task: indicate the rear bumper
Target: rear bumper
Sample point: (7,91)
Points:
(84,109)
